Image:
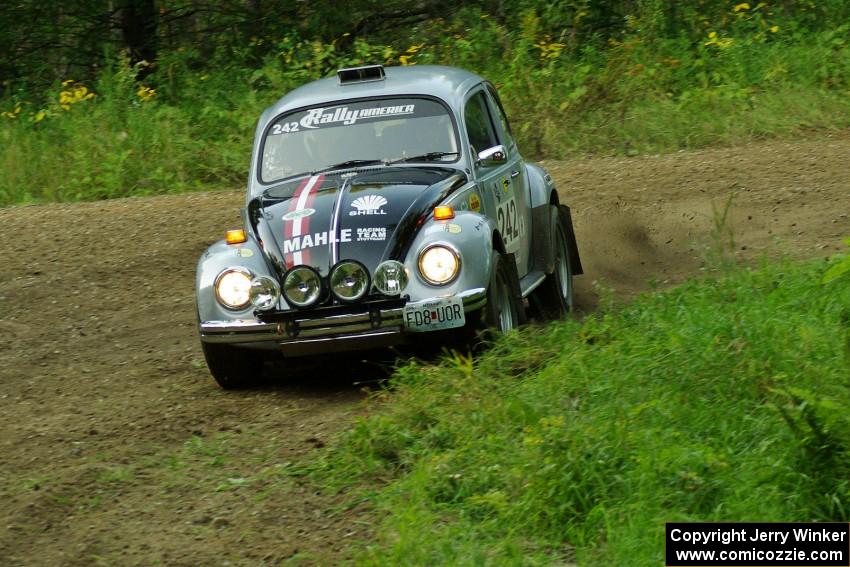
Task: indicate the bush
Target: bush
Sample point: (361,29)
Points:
(740,74)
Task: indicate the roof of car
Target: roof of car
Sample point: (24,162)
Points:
(446,83)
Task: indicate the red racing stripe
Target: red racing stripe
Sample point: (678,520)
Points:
(305,222)
(287,225)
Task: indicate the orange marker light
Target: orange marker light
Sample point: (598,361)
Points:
(443,212)
(235,236)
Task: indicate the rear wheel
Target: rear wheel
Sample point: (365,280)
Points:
(553,299)
(233,367)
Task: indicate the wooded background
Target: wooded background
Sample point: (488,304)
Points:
(109,98)
(40,43)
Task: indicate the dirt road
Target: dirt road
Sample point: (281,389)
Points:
(116,447)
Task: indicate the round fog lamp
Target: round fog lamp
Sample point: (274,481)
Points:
(232,288)
(391,277)
(349,281)
(264,293)
(439,264)
(302,286)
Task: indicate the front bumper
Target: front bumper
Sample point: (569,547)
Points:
(326,329)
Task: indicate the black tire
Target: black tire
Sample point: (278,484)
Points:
(504,310)
(553,299)
(233,367)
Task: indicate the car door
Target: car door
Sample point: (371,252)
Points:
(503,185)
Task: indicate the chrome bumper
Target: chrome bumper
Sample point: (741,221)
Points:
(384,325)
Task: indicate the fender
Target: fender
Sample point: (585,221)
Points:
(212,262)
(469,233)
(542,193)
(417,215)
(541,188)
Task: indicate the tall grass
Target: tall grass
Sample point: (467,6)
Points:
(114,145)
(640,93)
(718,401)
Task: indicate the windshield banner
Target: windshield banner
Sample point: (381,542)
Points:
(346,115)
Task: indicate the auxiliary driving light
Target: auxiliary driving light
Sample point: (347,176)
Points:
(264,293)
(391,277)
(232,288)
(349,280)
(439,264)
(302,286)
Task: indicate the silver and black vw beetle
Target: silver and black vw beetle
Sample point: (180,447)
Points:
(382,203)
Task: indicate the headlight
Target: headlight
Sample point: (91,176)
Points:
(349,281)
(233,287)
(264,293)
(439,264)
(302,286)
(391,277)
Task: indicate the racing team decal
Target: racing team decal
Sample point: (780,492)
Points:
(300,221)
(474,202)
(368,205)
(372,234)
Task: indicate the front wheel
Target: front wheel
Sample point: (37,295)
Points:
(233,367)
(504,310)
(553,299)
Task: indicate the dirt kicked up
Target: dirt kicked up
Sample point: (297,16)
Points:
(116,446)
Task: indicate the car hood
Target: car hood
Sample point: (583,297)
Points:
(368,215)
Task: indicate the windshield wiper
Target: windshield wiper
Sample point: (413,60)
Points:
(349,163)
(430,156)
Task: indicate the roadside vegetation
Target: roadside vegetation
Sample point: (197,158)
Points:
(721,400)
(724,399)
(96,119)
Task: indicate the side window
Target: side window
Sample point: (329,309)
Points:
(500,114)
(479,125)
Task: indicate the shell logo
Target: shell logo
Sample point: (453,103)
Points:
(368,205)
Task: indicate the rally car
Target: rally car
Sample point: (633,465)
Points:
(383,205)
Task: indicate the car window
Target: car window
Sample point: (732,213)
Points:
(479,125)
(500,115)
(376,129)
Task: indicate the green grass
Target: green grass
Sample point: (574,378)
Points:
(721,400)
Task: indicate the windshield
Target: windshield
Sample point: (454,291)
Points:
(380,130)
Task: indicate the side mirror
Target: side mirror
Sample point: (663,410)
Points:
(492,156)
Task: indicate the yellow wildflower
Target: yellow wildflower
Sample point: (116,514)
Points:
(73,93)
(405,60)
(774,29)
(13,114)
(549,49)
(722,43)
(741,6)
(39,116)
(145,93)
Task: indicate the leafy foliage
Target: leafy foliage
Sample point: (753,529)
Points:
(175,109)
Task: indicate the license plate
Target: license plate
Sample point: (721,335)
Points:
(434,315)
